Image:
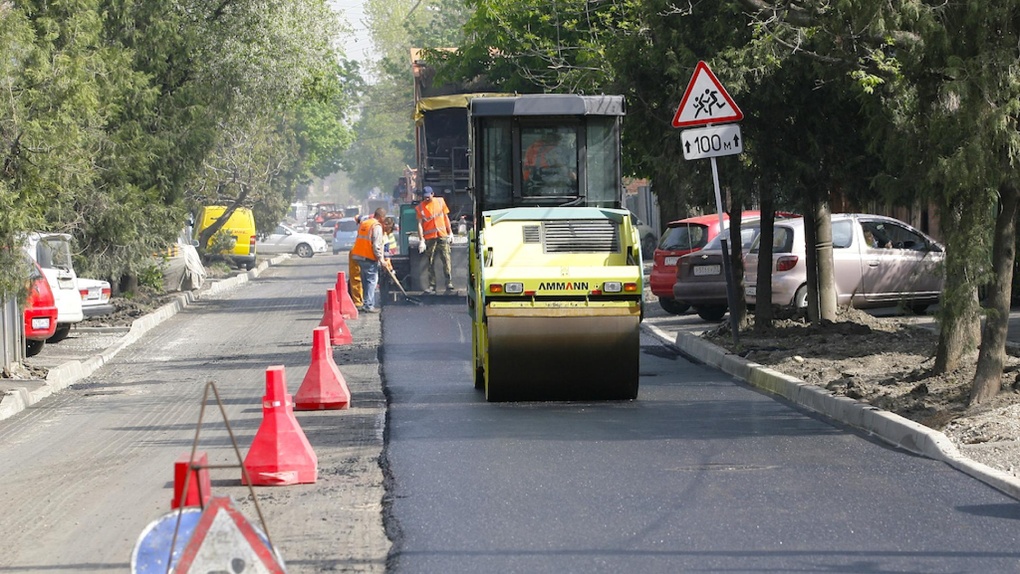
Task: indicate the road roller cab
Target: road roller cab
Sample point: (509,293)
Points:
(555,270)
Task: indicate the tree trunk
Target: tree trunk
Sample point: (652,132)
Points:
(810,261)
(823,261)
(128,284)
(737,261)
(959,311)
(992,354)
(763,287)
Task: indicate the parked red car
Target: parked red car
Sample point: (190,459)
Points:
(680,238)
(40,312)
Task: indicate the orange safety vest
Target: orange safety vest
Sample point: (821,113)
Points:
(536,156)
(363,244)
(429,213)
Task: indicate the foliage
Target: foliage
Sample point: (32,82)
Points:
(50,118)
(151,277)
(385,137)
(120,115)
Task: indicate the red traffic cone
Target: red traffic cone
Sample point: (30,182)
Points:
(323,387)
(339,334)
(280,454)
(347,307)
(199,486)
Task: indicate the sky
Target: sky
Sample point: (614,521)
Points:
(358,45)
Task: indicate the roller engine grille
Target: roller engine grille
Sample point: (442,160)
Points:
(581,236)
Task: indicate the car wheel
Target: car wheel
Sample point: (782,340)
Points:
(60,334)
(672,306)
(33,348)
(304,250)
(249,265)
(712,313)
(647,248)
(800,298)
(919,308)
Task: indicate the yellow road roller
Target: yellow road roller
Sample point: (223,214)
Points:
(555,278)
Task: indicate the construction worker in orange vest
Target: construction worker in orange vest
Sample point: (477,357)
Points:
(546,162)
(354,285)
(369,252)
(435,235)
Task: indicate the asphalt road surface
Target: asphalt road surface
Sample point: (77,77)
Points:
(83,472)
(700,474)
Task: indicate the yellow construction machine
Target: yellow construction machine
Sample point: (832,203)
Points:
(555,279)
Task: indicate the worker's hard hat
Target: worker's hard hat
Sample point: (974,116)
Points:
(427,192)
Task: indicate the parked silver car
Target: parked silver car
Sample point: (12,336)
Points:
(285,239)
(344,234)
(879,261)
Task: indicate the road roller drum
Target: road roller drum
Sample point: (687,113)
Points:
(576,353)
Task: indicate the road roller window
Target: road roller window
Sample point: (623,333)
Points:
(549,161)
(602,162)
(496,164)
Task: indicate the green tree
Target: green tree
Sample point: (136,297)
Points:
(286,116)
(944,76)
(51,118)
(385,130)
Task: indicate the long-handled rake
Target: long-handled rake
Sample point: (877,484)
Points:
(407,297)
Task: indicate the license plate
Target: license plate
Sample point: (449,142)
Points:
(671,261)
(702,270)
(751,290)
(41,324)
(95,293)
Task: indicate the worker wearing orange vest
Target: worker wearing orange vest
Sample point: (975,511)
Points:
(354,285)
(369,252)
(435,235)
(538,157)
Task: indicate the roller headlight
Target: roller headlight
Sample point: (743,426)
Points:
(612,287)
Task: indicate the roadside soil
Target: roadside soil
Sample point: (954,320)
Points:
(887,362)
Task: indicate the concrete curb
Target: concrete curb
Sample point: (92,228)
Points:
(23,393)
(889,427)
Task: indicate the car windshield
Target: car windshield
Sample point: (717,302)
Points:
(348,225)
(54,252)
(685,236)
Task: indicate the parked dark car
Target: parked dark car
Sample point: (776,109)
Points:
(680,238)
(700,281)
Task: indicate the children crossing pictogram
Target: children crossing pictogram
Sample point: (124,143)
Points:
(705,101)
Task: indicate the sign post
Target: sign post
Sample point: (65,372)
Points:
(705,102)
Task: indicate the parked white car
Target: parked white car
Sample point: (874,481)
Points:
(52,251)
(286,239)
(878,261)
(95,297)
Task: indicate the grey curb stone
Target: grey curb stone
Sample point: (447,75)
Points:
(889,427)
(23,393)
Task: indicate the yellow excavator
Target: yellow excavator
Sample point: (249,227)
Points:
(555,278)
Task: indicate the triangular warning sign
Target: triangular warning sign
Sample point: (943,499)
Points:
(224,541)
(705,101)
